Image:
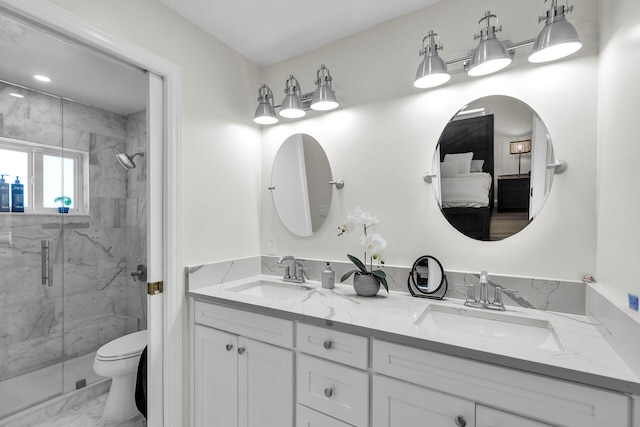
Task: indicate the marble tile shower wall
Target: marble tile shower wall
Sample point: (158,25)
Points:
(92,254)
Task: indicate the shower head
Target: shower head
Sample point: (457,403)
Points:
(127,161)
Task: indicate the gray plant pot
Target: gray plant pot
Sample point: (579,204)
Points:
(365,285)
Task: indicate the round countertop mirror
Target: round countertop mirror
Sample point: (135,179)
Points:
(490,166)
(300,184)
(427,274)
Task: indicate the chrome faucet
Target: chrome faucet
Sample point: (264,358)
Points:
(484,302)
(293,270)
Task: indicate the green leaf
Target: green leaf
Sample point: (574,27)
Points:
(348,274)
(382,278)
(379,274)
(358,263)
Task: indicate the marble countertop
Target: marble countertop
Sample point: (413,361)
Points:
(585,356)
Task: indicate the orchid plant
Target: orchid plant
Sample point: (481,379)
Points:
(373,243)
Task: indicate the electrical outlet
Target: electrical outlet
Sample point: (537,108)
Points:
(272,245)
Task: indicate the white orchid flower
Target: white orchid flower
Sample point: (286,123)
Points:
(360,216)
(374,243)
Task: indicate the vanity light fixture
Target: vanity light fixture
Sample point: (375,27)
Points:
(295,103)
(265,113)
(491,54)
(557,39)
(324,98)
(432,71)
(291,107)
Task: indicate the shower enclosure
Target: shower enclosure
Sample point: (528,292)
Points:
(65,278)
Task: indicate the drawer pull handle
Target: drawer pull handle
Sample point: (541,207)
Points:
(460,421)
(328,392)
(328,344)
(241,350)
(229,347)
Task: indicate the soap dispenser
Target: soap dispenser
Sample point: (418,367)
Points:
(328,277)
(17,196)
(4,194)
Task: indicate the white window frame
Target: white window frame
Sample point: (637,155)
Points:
(36,151)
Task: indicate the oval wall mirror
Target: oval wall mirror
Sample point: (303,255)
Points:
(490,166)
(300,184)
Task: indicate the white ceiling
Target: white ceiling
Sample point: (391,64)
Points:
(269,31)
(76,72)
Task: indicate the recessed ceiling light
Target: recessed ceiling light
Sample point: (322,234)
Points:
(41,78)
(17,95)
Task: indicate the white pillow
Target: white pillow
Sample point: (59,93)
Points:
(463,159)
(476,165)
(449,169)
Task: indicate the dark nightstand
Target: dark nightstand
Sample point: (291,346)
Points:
(513,193)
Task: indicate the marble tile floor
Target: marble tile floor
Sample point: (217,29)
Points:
(88,415)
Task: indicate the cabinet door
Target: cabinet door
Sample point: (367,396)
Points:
(488,417)
(215,382)
(265,381)
(396,403)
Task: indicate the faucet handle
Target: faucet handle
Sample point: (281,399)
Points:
(497,300)
(471,292)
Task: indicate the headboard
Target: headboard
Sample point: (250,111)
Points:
(470,135)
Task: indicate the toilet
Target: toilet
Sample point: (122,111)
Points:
(119,360)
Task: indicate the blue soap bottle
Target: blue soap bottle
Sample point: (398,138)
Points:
(4,194)
(17,196)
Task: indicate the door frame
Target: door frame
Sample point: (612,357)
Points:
(169,350)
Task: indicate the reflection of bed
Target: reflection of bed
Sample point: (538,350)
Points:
(467,198)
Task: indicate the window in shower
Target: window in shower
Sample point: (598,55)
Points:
(47,172)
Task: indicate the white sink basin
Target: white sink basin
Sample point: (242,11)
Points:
(273,290)
(488,325)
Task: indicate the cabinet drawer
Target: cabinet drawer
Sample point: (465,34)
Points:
(252,325)
(488,417)
(333,389)
(352,350)
(309,418)
(398,403)
(556,402)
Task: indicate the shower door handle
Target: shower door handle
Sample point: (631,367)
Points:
(47,266)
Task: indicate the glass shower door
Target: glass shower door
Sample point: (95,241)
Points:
(31,256)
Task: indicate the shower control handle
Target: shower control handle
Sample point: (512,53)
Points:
(140,274)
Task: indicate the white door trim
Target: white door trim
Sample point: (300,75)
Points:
(60,20)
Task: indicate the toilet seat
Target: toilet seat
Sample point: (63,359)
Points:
(125,347)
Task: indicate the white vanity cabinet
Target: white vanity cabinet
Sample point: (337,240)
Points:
(518,398)
(332,378)
(240,377)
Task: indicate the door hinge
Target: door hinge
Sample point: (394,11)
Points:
(154,288)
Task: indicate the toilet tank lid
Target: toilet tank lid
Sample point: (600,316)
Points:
(124,346)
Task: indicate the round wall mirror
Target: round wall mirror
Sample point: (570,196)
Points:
(490,166)
(300,184)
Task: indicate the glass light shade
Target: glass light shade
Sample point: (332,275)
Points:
(324,99)
(265,114)
(432,72)
(556,40)
(291,107)
(490,56)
